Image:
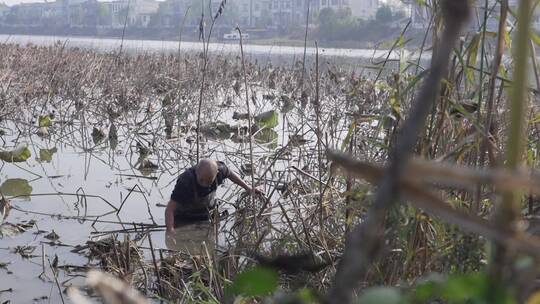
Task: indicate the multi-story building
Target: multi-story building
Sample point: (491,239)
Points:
(83,13)
(26,14)
(4,10)
(132,13)
(115,14)
(253,13)
(141,11)
(171,13)
(287,13)
(364,9)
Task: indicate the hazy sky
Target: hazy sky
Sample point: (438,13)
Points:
(12,2)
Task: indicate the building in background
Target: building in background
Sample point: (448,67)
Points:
(83,13)
(288,13)
(4,10)
(171,14)
(26,14)
(364,9)
(255,15)
(141,12)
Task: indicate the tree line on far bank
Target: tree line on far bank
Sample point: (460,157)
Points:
(340,25)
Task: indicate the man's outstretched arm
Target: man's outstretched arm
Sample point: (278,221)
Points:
(235,178)
(169,216)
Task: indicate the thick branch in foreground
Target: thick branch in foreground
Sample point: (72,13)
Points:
(365,241)
(414,191)
(508,212)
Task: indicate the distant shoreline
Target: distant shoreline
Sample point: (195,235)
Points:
(148,34)
(252,47)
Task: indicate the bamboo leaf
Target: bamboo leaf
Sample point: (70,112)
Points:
(347,139)
(535,38)
(536,119)
(472,52)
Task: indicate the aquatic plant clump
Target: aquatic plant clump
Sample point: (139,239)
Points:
(141,106)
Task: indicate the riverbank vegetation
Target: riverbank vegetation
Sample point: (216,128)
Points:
(339,26)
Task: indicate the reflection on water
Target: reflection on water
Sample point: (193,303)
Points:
(196,238)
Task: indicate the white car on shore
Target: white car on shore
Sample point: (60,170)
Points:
(235,36)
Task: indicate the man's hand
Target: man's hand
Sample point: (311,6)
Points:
(169,216)
(170,230)
(240,182)
(256,190)
(170,239)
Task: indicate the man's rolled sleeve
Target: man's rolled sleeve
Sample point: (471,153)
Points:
(223,172)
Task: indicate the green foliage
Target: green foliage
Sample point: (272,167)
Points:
(471,288)
(267,136)
(347,139)
(336,25)
(254,282)
(268,119)
(306,295)
(384,14)
(381,295)
(217,130)
(535,119)
(44,121)
(20,154)
(474,288)
(340,25)
(16,187)
(472,53)
(45,155)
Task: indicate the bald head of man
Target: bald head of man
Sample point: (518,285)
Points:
(206,172)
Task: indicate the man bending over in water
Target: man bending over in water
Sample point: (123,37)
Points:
(193,195)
